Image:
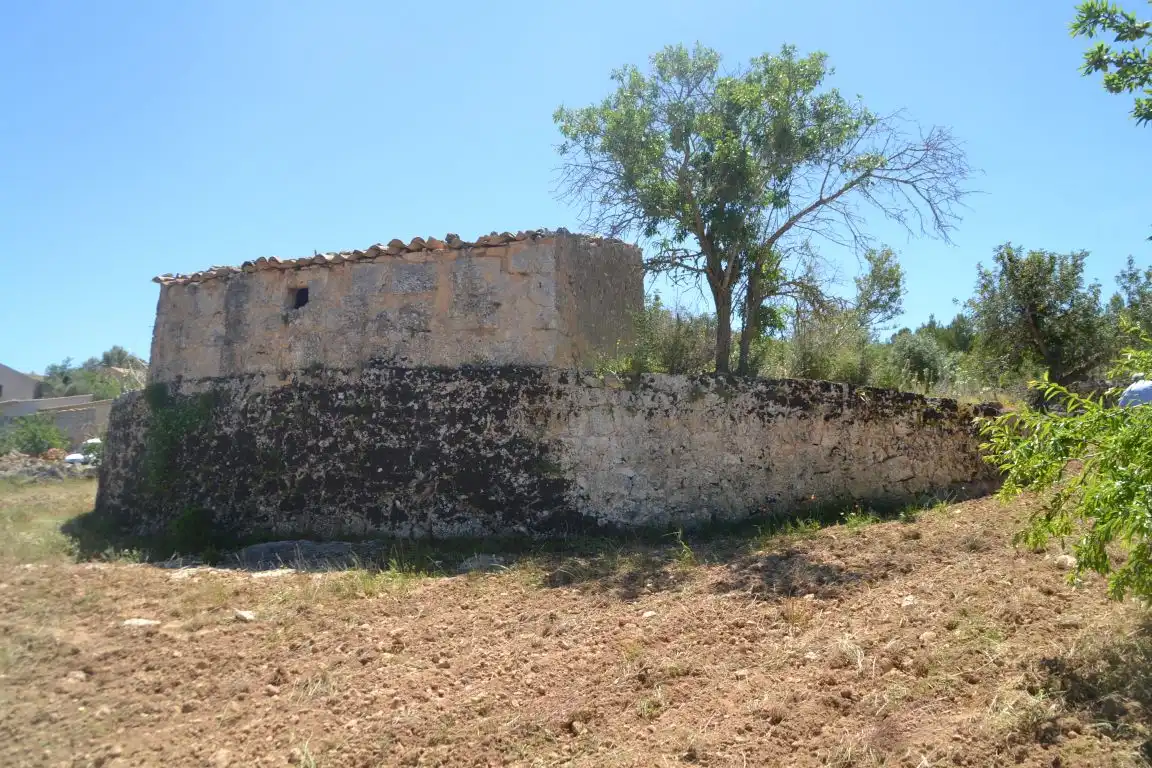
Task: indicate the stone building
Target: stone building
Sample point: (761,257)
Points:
(442,388)
(535,298)
(15,385)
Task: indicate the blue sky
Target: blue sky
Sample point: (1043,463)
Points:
(143,137)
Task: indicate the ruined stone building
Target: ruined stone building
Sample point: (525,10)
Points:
(535,298)
(443,388)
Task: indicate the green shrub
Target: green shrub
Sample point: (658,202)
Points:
(833,347)
(94,452)
(667,341)
(1093,465)
(920,359)
(33,434)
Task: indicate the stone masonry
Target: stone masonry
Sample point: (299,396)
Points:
(393,451)
(535,298)
(441,388)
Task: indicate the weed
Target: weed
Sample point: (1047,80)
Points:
(857,517)
(685,557)
(796,612)
(650,707)
(318,686)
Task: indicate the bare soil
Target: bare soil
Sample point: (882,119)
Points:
(925,643)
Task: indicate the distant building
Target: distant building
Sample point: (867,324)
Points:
(17,386)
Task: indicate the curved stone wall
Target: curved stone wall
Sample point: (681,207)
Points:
(383,450)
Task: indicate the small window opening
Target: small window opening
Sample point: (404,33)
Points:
(300,298)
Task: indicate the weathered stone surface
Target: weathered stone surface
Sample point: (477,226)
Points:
(488,450)
(556,300)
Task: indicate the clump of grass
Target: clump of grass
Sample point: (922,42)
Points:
(318,686)
(685,557)
(857,517)
(650,707)
(796,612)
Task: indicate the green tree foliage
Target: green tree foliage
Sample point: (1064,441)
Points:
(830,345)
(668,341)
(958,336)
(1093,465)
(64,379)
(118,357)
(919,360)
(110,375)
(1127,63)
(1033,308)
(734,175)
(1135,296)
(33,434)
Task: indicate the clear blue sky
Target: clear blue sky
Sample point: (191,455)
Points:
(146,137)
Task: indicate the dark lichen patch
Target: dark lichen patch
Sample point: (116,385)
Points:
(393,451)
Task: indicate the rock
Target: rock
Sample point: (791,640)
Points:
(1065,562)
(741,674)
(482,563)
(647,614)
(927,637)
(78,675)
(244,615)
(810,597)
(812,656)
(908,601)
(221,758)
(140,622)
(277,554)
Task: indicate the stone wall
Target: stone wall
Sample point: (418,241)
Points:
(82,422)
(536,298)
(11,409)
(382,450)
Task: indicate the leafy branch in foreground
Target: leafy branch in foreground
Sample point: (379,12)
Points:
(1127,64)
(1092,463)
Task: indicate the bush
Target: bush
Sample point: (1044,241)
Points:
(94,452)
(834,347)
(1093,465)
(667,341)
(919,359)
(33,434)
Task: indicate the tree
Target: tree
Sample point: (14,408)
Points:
(958,336)
(1135,296)
(735,177)
(919,359)
(1092,466)
(1127,65)
(1032,308)
(880,290)
(118,357)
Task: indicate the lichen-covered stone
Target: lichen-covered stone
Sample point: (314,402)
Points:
(497,450)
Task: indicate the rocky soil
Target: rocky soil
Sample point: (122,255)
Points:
(927,643)
(20,466)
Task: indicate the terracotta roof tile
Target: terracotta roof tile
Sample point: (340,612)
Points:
(394,247)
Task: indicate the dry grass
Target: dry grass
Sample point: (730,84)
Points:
(922,642)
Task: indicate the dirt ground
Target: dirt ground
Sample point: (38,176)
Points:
(930,642)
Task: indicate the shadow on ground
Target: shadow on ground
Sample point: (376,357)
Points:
(763,558)
(1107,684)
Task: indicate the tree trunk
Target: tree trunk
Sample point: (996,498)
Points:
(751,329)
(722,296)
